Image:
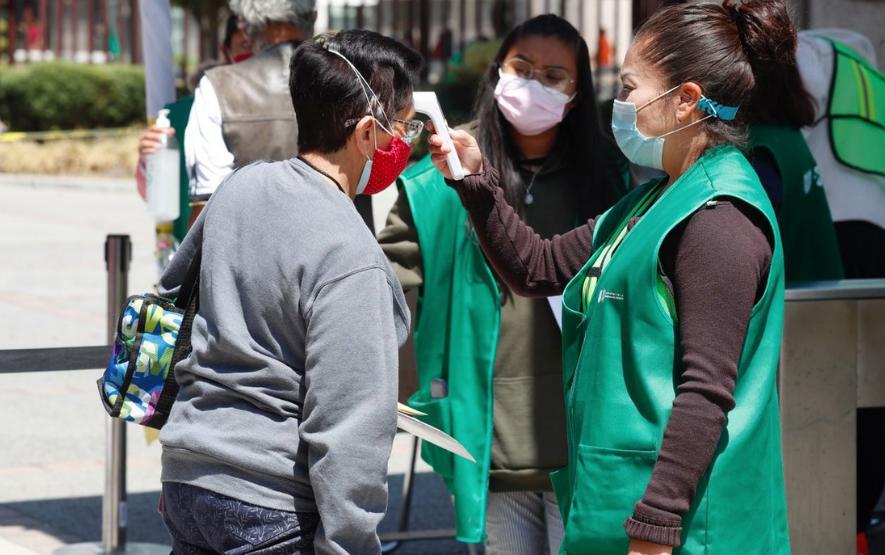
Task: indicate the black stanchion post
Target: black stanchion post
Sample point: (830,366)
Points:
(118,255)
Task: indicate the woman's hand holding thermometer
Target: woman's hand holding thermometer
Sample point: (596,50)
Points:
(466,148)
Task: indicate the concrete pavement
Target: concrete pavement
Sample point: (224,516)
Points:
(52,294)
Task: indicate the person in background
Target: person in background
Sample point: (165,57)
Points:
(489,364)
(673,301)
(280,436)
(242,112)
(606,68)
(235,47)
(786,167)
(857,200)
(605,56)
(33,34)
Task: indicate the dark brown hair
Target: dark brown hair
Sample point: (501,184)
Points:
(580,131)
(770,41)
(739,53)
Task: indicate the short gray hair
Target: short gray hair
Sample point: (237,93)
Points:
(256,14)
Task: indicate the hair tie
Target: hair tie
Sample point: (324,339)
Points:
(717,110)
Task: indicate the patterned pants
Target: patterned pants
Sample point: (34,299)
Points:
(523,523)
(203,522)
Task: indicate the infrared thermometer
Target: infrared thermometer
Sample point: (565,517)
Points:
(427,104)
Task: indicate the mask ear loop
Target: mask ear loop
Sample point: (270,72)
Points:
(704,105)
(713,110)
(660,96)
(365,85)
(685,126)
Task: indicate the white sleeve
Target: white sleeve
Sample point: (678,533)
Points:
(814,57)
(206,155)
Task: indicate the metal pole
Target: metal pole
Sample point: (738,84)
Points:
(406,510)
(59,29)
(44,25)
(75,28)
(135,29)
(408,488)
(12,31)
(90,39)
(118,255)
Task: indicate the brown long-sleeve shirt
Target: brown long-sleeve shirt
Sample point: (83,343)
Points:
(717,265)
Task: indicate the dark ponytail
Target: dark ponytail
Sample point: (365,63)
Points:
(728,49)
(769,40)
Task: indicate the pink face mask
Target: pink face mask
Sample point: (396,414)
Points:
(530,107)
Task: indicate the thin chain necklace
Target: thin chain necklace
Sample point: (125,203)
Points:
(316,169)
(529,198)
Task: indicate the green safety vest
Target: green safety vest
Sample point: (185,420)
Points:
(621,368)
(857,111)
(456,336)
(811,251)
(179,112)
(457,324)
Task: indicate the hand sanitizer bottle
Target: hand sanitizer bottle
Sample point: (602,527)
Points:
(163,187)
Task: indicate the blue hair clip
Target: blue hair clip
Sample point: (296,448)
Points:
(725,113)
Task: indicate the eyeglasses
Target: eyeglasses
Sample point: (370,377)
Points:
(407,130)
(553,77)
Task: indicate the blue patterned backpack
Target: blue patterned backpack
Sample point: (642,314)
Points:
(153,335)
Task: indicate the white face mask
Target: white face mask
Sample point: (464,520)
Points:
(639,149)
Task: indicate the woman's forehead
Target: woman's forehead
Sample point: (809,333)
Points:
(543,51)
(635,66)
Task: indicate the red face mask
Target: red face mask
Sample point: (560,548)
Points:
(380,172)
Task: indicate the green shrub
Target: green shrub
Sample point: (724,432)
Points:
(478,56)
(63,95)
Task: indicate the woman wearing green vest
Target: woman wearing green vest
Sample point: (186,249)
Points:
(786,167)
(489,363)
(672,303)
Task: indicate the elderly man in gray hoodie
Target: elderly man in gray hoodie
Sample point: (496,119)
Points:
(279,439)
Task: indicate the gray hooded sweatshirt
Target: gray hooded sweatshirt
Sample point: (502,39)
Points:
(288,400)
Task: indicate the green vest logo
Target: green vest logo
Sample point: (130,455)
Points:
(811,179)
(609,295)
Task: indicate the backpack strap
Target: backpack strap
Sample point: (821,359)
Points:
(191,284)
(188,299)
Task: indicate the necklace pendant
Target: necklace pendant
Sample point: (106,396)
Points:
(529,199)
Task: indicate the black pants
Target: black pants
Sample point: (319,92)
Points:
(202,522)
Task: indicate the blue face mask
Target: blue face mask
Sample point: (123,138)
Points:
(649,151)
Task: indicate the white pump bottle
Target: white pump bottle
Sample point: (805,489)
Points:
(163,177)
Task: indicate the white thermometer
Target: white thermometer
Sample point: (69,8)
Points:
(427,104)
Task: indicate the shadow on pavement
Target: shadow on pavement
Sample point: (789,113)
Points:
(80,517)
